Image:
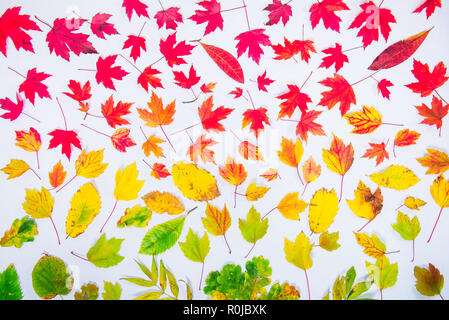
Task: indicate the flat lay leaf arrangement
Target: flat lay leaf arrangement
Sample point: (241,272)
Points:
(196,169)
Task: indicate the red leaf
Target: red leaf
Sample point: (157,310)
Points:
(33,84)
(208,88)
(159,171)
(377,151)
(257,118)
(430,6)
(263,81)
(341,92)
(135,5)
(79,94)
(383,86)
(286,51)
(64,138)
(211,16)
(200,149)
(225,61)
(147,77)
(113,114)
(427,81)
(307,125)
(121,140)
(105,71)
(434,116)
(169,17)
(278,11)
(15,109)
(173,51)
(294,98)
(100,27)
(237,92)
(183,81)
(63,40)
(251,41)
(210,119)
(335,56)
(325,10)
(135,43)
(13,26)
(305,47)
(406,138)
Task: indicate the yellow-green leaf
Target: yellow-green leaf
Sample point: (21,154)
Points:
(298,253)
(194,248)
(37,204)
(104,253)
(329,241)
(395,177)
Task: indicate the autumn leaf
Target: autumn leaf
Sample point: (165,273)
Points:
(253,229)
(106,72)
(436,161)
(210,15)
(365,121)
(111,291)
(308,125)
(405,138)
(29,141)
(21,231)
(89,165)
(440,193)
(290,206)
(278,11)
(163,202)
(310,170)
(113,114)
(377,151)
(210,119)
(251,41)
(159,116)
(382,88)
(127,186)
(291,153)
(326,10)
(254,193)
(217,222)
(328,241)
(100,26)
(433,116)
(121,140)
(428,81)
(322,210)
(414,203)
(104,253)
(15,168)
(373,247)
(80,94)
(14,110)
(159,171)
(234,173)
(50,277)
(186,82)
(294,99)
(173,51)
(249,151)
(151,146)
(429,281)
(395,177)
(286,51)
(383,273)
(341,92)
(137,216)
(430,6)
(135,6)
(136,43)
(263,81)
(407,228)
(33,85)
(335,56)
(66,139)
(257,118)
(168,17)
(200,149)
(147,77)
(88,292)
(367,205)
(270,175)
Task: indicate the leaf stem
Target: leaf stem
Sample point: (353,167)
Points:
(163,131)
(37,159)
(364,78)
(115,205)
(251,99)
(246,14)
(304,191)
(440,96)
(62,111)
(67,183)
(307,280)
(201,277)
(299,175)
(104,134)
(252,247)
(399,207)
(355,48)
(132,64)
(235,196)
(81,69)
(369,221)
(433,230)
(157,61)
(231,9)
(35,173)
(185,129)
(31,117)
(266,214)
(56,230)
(341,187)
(227,244)
(78,256)
(17,72)
(413,250)
(140,32)
(306,81)
(392,252)
(391,124)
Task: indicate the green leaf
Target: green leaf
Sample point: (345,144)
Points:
(10,285)
(111,291)
(430,281)
(21,231)
(104,252)
(339,289)
(137,216)
(408,229)
(150,296)
(140,282)
(383,273)
(228,283)
(51,278)
(281,292)
(162,237)
(359,289)
(154,271)
(328,241)
(253,229)
(172,282)
(350,278)
(188,290)
(257,277)
(162,276)
(88,292)
(194,248)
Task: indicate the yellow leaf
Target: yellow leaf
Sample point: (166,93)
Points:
(440,191)
(88,165)
(254,193)
(373,246)
(37,204)
(323,209)
(84,207)
(339,158)
(28,141)
(311,171)
(328,241)
(151,145)
(290,206)
(233,172)
(15,168)
(127,186)
(298,253)
(395,177)
(414,203)
(162,202)
(366,204)
(195,184)
(365,121)
(291,153)
(216,222)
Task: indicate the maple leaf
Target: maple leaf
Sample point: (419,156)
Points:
(325,10)
(151,146)
(169,17)
(184,82)
(341,92)
(80,94)
(63,40)
(251,41)
(249,151)
(382,87)
(172,51)
(28,141)
(286,51)
(294,98)
(233,172)
(278,11)
(159,116)
(427,81)
(434,116)
(436,161)
(33,85)
(335,56)
(200,149)
(257,118)
(137,6)
(100,27)
(136,44)
(307,124)
(14,109)
(365,121)
(13,26)
(377,151)
(208,88)
(121,140)
(113,114)
(237,92)
(105,72)
(210,119)
(263,81)
(375,19)
(65,139)
(159,171)
(430,6)
(305,47)
(211,15)
(147,78)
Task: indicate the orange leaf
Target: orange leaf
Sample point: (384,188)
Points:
(159,171)
(210,119)
(151,145)
(113,114)
(377,151)
(159,116)
(311,170)
(250,151)
(57,176)
(234,173)
(270,174)
(291,153)
(121,140)
(406,137)
(339,158)
(200,149)
(436,161)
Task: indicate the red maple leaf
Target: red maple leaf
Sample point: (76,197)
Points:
(135,5)
(121,140)
(325,10)
(113,115)
(305,47)
(427,81)
(434,116)
(377,151)
(430,6)
(172,51)
(159,171)
(15,109)
(184,82)
(200,149)
(373,19)
(286,51)
(79,94)
(307,124)
(335,56)
(64,138)
(341,92)
(251,41)
(13,26)
(147,78)
(100,27)
(257,118)
(208,88)
(63,40)
(294,98)
(237,92)
(263,81)
(136,43)
(382,87)
(169,17)
(33,85)
(211,15)
(278,11)
(210,119)
(105,71)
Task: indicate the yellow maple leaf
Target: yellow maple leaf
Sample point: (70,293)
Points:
(15,168)
(37,204)
(233,172)
(89,165)
(217,222)
(365,121)
(298,253)
(254,193)
(159,116)
(366,204)
(290,206)
(127,186)
(322,210)
(440,193)
(151,146)
(373,246)
(163,202)
(395,177)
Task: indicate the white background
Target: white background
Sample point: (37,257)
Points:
(327,266)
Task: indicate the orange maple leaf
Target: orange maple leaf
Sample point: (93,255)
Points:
(377,151)
(234,173)
(200,149)
(341,92)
